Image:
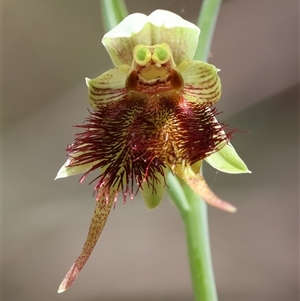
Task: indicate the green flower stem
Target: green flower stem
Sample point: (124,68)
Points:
(206,22)
(194,214)
(191,207)
(112,12)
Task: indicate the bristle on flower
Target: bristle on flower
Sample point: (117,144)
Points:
(132,140)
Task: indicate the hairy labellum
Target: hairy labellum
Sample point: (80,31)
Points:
(133,139)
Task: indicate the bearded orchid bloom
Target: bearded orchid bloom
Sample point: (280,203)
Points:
(152,114)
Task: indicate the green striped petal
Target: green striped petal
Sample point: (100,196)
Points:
(108,87)
(201,82)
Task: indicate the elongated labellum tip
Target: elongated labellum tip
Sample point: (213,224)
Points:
(225,206)
(97,224)
(200,187)
(69,278)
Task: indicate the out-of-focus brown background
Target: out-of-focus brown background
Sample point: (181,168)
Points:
(48,47)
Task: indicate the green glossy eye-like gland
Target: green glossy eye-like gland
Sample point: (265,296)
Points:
(142,55)
(161,53)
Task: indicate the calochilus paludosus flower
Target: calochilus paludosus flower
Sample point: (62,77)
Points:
(152,114)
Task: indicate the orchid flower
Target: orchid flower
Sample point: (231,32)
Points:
(152,115)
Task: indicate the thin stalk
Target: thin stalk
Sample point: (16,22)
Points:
(191,207)
(194,214)
(196,229)
(112,12)
(206,22)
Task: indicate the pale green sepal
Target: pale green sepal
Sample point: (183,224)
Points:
(67,171)
(87,81)
(227,160)
(161,26)
(153,199)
